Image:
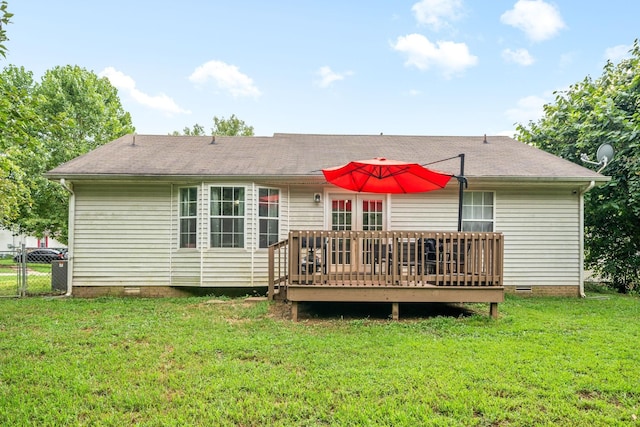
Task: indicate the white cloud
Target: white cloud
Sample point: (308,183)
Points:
(126,83)
(539,20)
(529,108)
(328,76)
(437,13)
(519,56)
(449,56)
(511,133)
(227,77)
(618,53)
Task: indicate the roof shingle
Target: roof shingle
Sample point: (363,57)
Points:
(304,155)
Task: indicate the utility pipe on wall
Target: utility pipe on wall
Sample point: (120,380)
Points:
(70,234)
(581,232)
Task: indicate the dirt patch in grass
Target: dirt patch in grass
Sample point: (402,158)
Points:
(280,310)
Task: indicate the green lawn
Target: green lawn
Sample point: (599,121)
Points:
(545,361)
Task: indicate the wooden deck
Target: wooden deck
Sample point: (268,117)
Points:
(387,266)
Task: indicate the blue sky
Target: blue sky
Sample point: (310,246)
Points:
(430,67)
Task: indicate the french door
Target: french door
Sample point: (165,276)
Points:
(354,212)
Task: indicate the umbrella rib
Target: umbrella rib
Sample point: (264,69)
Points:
(390,177)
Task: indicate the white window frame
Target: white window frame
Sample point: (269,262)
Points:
(268,217)
(235,217)
(193,217)
(470,211)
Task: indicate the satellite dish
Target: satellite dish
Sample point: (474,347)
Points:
(604,153)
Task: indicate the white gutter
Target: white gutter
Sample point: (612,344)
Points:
(581,231)
(70,234)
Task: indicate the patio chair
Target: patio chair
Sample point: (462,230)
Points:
(410,256)
(316,251)
(378,252)
(428,256)
(455,255)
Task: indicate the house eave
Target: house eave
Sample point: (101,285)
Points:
(285,179)
(599,180)
(313,179)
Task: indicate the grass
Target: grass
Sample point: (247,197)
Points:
(546,361)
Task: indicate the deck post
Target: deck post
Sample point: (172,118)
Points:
(395,311)
(271,273)
(294,311)
(493,309)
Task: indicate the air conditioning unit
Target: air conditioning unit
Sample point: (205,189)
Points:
(59,276)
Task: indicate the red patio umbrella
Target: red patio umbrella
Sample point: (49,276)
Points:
(380,175)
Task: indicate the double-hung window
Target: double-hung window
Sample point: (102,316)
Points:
(227,210)
(477,211)
(188,217)
(268,216)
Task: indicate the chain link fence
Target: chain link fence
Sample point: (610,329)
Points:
(33,271)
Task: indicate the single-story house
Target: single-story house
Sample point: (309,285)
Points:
(156,215)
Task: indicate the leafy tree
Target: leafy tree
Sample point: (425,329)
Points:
(232,126)
(70,112)
(589,113)
(83,109)
(198,130)
(5,19)
(19,145)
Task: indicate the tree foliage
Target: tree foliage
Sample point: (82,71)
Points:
(232,126)
(197,130)
(588,114)
(18,143)
(5,19)
(43,124)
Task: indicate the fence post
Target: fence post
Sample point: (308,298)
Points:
(23,270)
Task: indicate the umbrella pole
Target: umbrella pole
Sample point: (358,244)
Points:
(462,182)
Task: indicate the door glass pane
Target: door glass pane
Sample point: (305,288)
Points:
(341,214)
(341,220)
(372,215)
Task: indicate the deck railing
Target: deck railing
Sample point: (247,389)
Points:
(387,258)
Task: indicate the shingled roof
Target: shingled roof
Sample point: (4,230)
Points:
(302,155)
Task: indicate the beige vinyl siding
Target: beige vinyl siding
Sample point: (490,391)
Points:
(186,262)
(127,234)
(436,210)
(540,226)
(304,213)
(542,236)
(261,255)
(121,234)
(204,265)
(224,267)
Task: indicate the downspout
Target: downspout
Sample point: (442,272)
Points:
(172,231)
(70,234)
(581,232)
(202,219)
(255,226)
